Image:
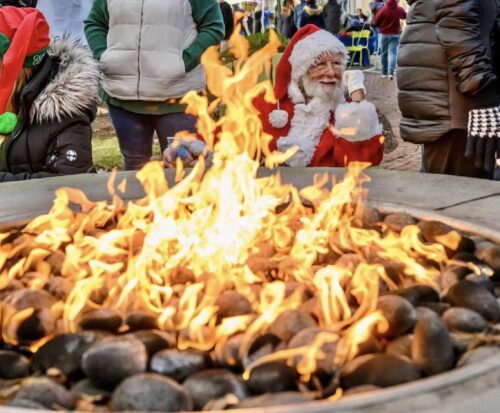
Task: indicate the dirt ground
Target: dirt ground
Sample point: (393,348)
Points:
(102,127)
(382,92)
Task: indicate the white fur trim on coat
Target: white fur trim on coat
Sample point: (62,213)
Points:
(357,121)
(278,118)
(75,87)
(307,127)
(307,50)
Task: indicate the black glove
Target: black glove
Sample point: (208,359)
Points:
(19,3)
(483,140)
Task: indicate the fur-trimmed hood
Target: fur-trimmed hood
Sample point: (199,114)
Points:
(74,89)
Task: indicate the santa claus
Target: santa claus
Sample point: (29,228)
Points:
(312,112)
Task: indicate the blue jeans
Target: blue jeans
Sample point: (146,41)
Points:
(389,52)
(376,43)
(135,133)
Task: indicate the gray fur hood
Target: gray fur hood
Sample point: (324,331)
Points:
(75,88)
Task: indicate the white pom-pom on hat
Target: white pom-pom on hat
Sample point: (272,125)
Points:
(278,118)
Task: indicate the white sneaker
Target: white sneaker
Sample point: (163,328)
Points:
(391,77)
(384,76)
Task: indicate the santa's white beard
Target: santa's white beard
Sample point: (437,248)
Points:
(331,95)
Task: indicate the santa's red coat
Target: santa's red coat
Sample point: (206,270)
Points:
(331,150)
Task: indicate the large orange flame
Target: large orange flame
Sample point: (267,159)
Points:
(175,251)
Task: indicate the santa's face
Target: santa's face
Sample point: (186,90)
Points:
(323,79)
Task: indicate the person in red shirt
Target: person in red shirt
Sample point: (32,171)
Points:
(388,21)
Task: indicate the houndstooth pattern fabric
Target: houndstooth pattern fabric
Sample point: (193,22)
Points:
(484,123)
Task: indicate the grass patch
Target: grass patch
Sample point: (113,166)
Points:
(106,153)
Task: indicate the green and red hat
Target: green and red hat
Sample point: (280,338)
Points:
(24,41)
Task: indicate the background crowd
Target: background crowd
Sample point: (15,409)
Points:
(445,57)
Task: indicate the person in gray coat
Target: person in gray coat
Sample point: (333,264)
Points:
(448,71)
(333,13)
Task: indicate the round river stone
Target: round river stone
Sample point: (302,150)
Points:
(463,319)
(471,295)
(400,314)
(212,384)
(110,361)
(432,348)
(151,393)
(382,370)
(272,377)
(177,364)
(13,365)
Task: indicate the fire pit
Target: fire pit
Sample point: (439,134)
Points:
(427,393)
(230,290)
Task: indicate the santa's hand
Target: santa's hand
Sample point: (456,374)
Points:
(354,81)
(356,121)
(483,138)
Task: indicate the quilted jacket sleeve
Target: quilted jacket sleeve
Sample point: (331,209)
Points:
(70,154)
(458,31)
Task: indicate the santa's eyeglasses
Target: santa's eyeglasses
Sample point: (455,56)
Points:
(326,65)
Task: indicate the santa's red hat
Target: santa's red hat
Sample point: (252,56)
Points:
(304,48)
(24,40)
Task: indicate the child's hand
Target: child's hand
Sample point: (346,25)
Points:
(171,154)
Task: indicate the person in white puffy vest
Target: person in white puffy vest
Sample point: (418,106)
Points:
(149,52)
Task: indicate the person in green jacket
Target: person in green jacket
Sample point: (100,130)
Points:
(149,53)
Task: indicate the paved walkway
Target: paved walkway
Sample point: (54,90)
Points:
(383,94)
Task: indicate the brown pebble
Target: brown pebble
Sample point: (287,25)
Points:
(231,303)
(397,221)
(289,323)
(56,261)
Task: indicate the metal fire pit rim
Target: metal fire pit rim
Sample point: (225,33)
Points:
(459,224)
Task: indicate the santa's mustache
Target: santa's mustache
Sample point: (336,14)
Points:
(328,82)
(327,89)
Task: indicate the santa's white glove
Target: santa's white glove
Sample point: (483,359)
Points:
(353,81)
(356,121)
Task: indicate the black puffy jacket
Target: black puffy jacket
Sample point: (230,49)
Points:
(19,3)
(53,135)
(447,64)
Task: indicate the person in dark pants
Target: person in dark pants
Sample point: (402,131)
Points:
(312,14)
(333,13)
(388,21)
(19,3)
(286,25)
(448,83)
(133,127)
(297,13)
(257,21)
(227,15)
(166,51)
